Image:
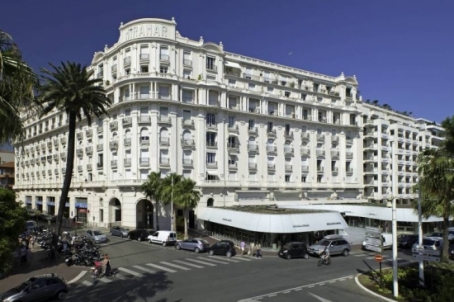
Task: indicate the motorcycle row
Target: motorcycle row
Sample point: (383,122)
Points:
(77,250)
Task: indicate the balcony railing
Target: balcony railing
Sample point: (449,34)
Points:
(271,133)
(113,163)
(100,130)
(233,165)
(127,61)
(233,147)
(252,147)
(187,142)
(270,149)
(320,137)
(127,142)
(164,161)
(211,145)
(271,166)
(305,151)
(334,153)
(144,119)
(187,62)
(212,164)
(304,168)
(89,167)
(99,147)
(349,155)
(288,150)
(288,167)
(114,126)
(89,150)
(252,166)
(144,141)
(113,145)
(188,123)
(127,121)
(164,119)
(349,171)
(144,57)
(320,170)
(127,162)
(233,129)
(163,57)
(187,162)
(253,130)
(89,133)
(305,136)
(211,126)
(164,141)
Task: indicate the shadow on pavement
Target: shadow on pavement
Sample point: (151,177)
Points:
(129,290)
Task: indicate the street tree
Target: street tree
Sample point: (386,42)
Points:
(17,82)
(186,198)
(12,224)
(71,88)
(152,189)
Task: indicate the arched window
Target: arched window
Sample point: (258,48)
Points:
(210,202)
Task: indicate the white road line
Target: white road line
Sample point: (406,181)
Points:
(201,262)
(189,264)
(105,280)
(87,283)
(81,274)
(176,266)
(230,260)
(212,260)
(370,257)
(244,259)
(120,276)
(145,269)
(162,268)
(130,272)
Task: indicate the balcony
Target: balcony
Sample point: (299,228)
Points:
(320,152)
(334,153)
(113,163)
(271,133)
(320,137)
(252,166)
(63,155)
(99,147)
(334,139)
(43,147)
(349,171)
(144,57)
(187,143)
(188,123)
(305,151)
(127,162)
(114,126)
(288,135)
(349,141)
(113,145)
(113,69)
(164,119)
(99,165)
(211,145)
(235,147)
(144,119)
(253,148)
(127,121)
(89,167)
(349,155)
(80,152)
(79,169)
(164,162)
(305,137)
(233,129)
(100,130)
(271,149)
(320,170)
(89,150)
(164,58)
(188,162)
(212,127)
(127,142)
(144,141)
(212,165)
(164,141)
(288,151)
(63,171)
(271,167)
(253,131)
(187,62)
(211,67)
(127,61)
(288,167)
(88,133)
(49,145)
(304,169)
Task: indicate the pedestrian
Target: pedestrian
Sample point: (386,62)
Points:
(32,241)
(251,249)
(259,248)
(242,246)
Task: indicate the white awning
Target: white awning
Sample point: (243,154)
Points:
(274,223)
(232,64)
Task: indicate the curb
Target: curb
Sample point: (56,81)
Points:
(81,274)
(371,292)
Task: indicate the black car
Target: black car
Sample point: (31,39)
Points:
(406,241)
(294,250)
(223,247)
(38,288)
(138,234)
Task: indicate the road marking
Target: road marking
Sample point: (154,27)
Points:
(128,271)
(162,268)
(211,260)
(244,259)
(230,260)
(105,280)
(145,269)
(201,262)
(120,276)
(359,255)
(87,283)
(319,298)
(189,264)
(81,274)
(290,289)
(175,265)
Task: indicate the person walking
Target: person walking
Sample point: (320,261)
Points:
(242,247)
(259,249)
(251,249)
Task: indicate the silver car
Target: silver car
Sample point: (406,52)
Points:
(119,231)
(336,244)
(96,236)
(197,245)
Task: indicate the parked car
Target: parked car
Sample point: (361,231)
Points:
(42,287)
(223,247)
(337,245)
(138,234)
(429,243)
(294,250)
(119,231)
(96,236)
(197,245)
(48,217)
(406,241)
(30,225)
(163,237)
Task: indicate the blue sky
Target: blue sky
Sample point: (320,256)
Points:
(400,51)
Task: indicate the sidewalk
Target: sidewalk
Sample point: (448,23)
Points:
(37,266)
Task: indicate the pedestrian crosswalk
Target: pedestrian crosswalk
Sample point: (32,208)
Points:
(170,266)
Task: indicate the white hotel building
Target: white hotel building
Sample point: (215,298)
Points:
(249,132)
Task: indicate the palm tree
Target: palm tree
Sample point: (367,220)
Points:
(186,198)
(169,193)
(152,189)
(17,82)
(71,88)
(436,180)
(448,125)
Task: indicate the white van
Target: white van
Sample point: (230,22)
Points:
(387,241)
(163,237)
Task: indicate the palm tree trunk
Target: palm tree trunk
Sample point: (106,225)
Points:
(185,214)
(68,174)
(157,214)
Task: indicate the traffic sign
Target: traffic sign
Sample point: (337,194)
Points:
(426,258)
(427,252)
(378,258)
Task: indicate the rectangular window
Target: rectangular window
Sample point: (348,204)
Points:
(248,73)
(251,124)
(211,158)
(303,178)
(143,110)
(186,114)
(164,92)
(163,69)
(187,60)
(187,74)
(231,121)
(270,127)
(164,53)
(100,160)
(211,119)
(287,178)
(187,96)
(267,77)
(144,68)
(210,63)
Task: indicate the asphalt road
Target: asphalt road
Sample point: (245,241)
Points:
(149,272)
